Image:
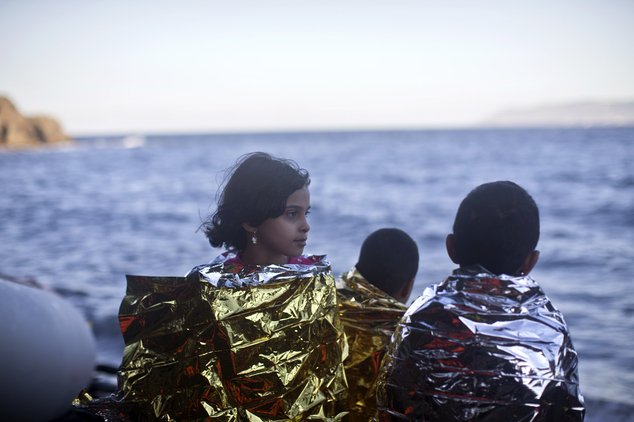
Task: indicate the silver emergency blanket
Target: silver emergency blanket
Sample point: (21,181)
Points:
(220,274)
(480,347)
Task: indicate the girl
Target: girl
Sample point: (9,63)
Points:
(252,336)
(262,210)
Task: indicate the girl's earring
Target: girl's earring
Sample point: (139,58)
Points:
(254,239)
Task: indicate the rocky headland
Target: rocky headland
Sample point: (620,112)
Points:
(17,131)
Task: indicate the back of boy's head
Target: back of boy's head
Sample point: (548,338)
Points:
(255,189)
(497,226)
(388,259)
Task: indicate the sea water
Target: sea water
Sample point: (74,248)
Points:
(78,219)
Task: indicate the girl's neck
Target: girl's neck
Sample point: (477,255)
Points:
(255,256)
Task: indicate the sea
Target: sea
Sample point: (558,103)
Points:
(79,218)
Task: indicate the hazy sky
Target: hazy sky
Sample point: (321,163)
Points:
(201,66)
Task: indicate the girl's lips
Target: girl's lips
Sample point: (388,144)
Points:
(301,242)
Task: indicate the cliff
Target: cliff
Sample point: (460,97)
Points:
(17,131)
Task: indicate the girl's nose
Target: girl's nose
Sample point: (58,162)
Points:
(305,226)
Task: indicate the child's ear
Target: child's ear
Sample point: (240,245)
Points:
(402,295)
(529,263)
(249,228)
(408,289)
(451,249)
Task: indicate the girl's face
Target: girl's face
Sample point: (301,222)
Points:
(283,237)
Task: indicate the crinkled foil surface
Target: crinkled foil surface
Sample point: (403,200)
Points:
(369,317)
(234,343)
(480,347)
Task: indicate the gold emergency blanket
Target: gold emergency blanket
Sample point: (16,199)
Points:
(369,317)
(481,348)
(270,348)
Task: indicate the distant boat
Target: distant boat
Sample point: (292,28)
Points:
(133,141)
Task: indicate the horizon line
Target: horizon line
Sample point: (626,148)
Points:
(283,131)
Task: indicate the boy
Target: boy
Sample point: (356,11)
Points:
(486,344)
(371,298)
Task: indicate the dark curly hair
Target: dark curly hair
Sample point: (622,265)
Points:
(497,226)
(255,189)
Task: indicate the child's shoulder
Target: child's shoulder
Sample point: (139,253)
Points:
(473,292)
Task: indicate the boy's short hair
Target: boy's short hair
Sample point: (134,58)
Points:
(497,226)
(388,259)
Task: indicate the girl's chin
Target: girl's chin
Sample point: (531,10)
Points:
(297,254)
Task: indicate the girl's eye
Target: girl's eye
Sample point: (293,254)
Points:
(307,212)
(291,213)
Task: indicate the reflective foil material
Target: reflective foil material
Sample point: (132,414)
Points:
(111,408)
(480,347)
(234,343)
(369,317)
